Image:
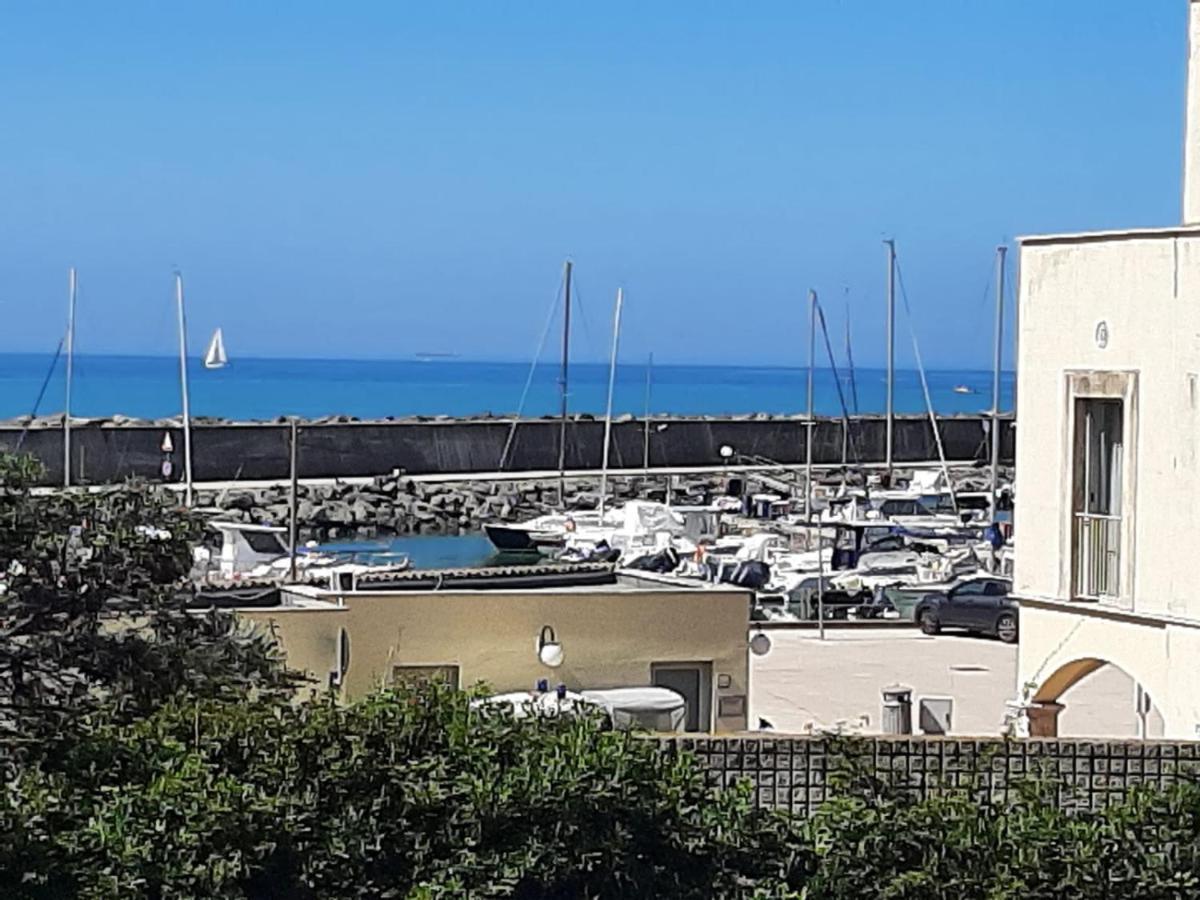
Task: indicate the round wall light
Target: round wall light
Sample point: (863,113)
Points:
(760,644)
(726,451)
(549,650)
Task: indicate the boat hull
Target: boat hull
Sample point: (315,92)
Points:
(508,539)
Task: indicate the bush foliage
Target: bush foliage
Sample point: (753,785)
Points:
(148,751)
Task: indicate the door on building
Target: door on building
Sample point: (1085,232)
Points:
(692,681)
(1098,475)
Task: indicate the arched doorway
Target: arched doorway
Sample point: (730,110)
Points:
(1094,698)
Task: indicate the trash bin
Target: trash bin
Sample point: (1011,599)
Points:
(897,710)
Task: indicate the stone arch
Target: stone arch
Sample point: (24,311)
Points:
(1046,701)
(1066,677)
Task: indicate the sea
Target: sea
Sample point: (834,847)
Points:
(264,389)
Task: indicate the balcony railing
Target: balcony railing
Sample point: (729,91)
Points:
(1097,557)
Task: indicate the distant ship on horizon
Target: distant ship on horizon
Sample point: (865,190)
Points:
(434,357)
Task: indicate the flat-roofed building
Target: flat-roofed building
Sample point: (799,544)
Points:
(622,634)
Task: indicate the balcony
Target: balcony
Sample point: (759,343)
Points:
(1097,543)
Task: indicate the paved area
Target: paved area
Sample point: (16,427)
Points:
(804,683)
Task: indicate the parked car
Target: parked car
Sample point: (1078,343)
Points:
(979,605)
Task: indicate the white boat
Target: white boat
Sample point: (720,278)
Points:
(259,553)
(214,356)
(656,709)
(963,389)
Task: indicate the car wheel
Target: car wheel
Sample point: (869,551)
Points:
(1006,628)
(929,622)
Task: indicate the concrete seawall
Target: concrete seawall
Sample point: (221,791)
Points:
(105,451)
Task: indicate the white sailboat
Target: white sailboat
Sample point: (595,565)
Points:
(214,356)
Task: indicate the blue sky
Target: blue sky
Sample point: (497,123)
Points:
(382,179)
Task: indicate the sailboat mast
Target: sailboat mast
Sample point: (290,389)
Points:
(612,381)
(812,358)
(183,386)
(70,377)
(808,482)
(853,387)
(646,418)
(1001,254)
(562,386)
(891,349)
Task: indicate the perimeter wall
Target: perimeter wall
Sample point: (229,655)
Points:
(105,452)
(796,773)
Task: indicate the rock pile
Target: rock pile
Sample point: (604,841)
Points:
(403,506)
(390,506)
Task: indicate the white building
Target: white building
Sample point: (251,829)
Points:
(1108,461)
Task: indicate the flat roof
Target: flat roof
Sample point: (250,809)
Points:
(1092,237)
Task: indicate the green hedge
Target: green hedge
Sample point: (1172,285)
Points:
(417,795)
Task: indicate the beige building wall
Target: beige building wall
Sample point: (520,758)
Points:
(610,637)
(1145,292)
(1091,308)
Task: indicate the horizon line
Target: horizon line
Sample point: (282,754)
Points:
(443,359)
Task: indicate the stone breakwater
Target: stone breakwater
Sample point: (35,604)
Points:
(398,505)
(109,451)
(394,506)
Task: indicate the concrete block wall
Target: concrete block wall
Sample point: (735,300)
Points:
(797,774)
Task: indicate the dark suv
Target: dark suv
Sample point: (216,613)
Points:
(977,604)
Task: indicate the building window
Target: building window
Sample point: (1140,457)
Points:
(414,676)
(1098,477)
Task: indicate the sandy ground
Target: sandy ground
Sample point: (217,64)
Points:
(804,682)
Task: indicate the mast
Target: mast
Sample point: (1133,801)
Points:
(808,485)
(612,380)
(70,376)
(183,387)
(646,418)
(562,386)
(853,391)
(891,349)
(293,502)
(1001,254)
(812,356)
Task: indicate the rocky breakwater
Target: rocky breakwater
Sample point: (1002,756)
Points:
(390,506)
(398,505)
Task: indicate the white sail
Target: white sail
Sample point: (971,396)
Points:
(214,356)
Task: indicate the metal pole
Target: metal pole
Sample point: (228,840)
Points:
(812,356)
(1016,351)
(612,381)
(808,485)
(820,583)
(891,349)
(183,384)
(646,418)
(1001,253)
(562,386)
(293,502)
(70,378)
(808,448)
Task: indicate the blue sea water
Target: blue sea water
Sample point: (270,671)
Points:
(148,387)
(455,551)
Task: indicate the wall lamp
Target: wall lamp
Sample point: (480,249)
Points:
(549,650)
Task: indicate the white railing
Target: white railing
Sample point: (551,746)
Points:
(1097,557)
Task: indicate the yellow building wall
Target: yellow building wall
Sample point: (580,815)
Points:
(609,638)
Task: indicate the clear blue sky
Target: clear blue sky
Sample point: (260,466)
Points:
(379,179)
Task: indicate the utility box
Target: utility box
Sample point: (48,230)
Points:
(935,715)
(897,710)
